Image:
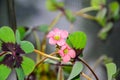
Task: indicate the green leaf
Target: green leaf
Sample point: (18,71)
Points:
(53,5)
(22,31)
(7,34)
(60,75)
(27,65)
(50,5)
(104,32)
(70,16)
(27,46)
(67,69)
(1,58)
(114,9)
(43,28)
(20,73)
(117,74)
(101,17)
(4,72)
(77,77)
(0,45)
(77,40)
(97,3)
(77,68)
(111,70)
(18,37)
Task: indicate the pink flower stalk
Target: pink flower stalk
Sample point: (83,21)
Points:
(57,36)
(67,53)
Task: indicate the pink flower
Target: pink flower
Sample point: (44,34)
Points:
(67,53)
(57,36)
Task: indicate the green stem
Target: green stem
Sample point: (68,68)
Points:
(87,9)
(85,16)
(37,40)
(11,14)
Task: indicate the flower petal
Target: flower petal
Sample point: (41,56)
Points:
(50,34)
(66,58)
(72,53)
(61,42)
(64,34)
(61,53)
(52,41)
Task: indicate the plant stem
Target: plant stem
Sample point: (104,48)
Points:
(88,68)
(60,74)
(11,14)
(46,55)
(87,9)
(84,75)
(2,53)
(41,61)
(37,40)
(85,16)
(97,63)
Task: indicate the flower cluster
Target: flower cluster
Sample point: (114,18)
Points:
(57,37)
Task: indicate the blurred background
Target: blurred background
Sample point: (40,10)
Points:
(32,13)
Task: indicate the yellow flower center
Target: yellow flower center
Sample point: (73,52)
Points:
(65,51)
(57,37)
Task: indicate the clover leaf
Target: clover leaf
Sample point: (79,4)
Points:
(7,35)
(77,40)
(26,46)
(4,72)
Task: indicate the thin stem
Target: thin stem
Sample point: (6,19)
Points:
(11,14)
(46,55)
(97,63)
(43,44)
(2,53)
(87,77)
(87,9)
(37,40)
(89,68)
(41,61)
(60,74)
(85,16)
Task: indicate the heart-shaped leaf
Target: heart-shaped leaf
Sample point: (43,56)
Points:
(4,72)
(77,68)
(97,3)
(101,17)
(77,40)
(104,32)
(53,5)
(114,9)
(111,70)
(7,35)
(20,73)
(22,30)
(27,65)
(27,46)
(18,37)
